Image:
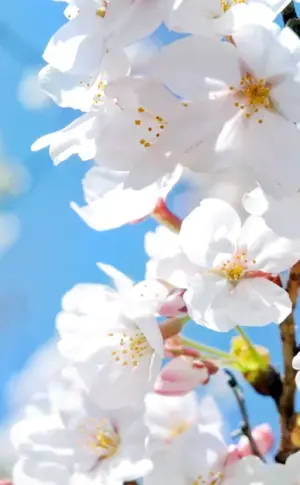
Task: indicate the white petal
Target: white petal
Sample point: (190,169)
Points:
(207,300)
(255,202)
(138,20)
(119,206)
(270,252)
(176,270)
(275,163)
(164,414)
(65,89)
(200,59)
(258,302)
(167,470)
(296,361)
(286,97)
(87,298)
(162,243)
(194,17)
(70,140)
(33,472)
(209,234)
(121,281)
(71,47)
(276,216)
(261,52)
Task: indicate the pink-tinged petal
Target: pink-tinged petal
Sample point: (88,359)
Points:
(174,305)
(179,377)
(263,437)
(233,455)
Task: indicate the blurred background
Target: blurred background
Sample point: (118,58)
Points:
(44,247)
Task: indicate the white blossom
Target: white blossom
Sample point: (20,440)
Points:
(112,338)
(229,289)
(253,86)
(80,443)
(186,440)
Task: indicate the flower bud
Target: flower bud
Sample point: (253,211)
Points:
(253,361)
(181,376)
(263,437)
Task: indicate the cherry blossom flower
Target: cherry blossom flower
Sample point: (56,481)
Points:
(81,443)
(112,338)
(221,17)
(181,376)
(231,287)
(79,45)
(254,92)
(84,91)
(147,121)
(186,440)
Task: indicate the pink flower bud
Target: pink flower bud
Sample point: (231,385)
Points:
(233,455)
(263,437)
(5,482)
(174,305)
(181,376)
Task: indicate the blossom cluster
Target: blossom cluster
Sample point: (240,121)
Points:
(218,109)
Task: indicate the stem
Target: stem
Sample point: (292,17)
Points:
(210,350)
(245,427)
(172,326)
(251,347)
(286,404)
(164,216)
(289,13)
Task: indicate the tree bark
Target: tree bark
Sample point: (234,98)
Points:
(288,339)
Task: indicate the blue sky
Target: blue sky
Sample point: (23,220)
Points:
(56,250)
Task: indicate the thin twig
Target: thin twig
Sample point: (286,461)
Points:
(289,13)
(286,403)
(245,427)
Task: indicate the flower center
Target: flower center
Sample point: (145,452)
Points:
(100,437)
(180,429)
(130,349)
(214,478)
(227,4)
(98,87)
(150,125)
(101,11)
(252,95)
(108,442)
(235,268)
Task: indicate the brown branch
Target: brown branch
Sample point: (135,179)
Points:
(289,13)
(245,426)
(288,339)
